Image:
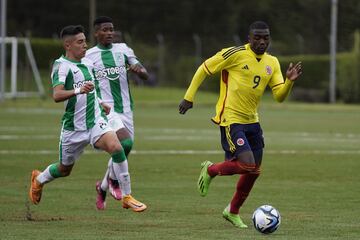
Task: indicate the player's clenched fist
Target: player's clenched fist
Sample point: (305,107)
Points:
(87,87)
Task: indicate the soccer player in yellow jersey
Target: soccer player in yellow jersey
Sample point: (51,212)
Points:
(245,73)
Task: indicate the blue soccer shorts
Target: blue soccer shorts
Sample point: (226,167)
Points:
(237,138)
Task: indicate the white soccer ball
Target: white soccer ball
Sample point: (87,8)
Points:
(266,219)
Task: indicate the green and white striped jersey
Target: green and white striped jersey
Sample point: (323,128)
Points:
(110,70)
(81,110)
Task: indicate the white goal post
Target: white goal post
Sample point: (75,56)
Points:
(14,93)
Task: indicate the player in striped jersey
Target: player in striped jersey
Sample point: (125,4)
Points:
(111,63)
(245,73)
(83,122)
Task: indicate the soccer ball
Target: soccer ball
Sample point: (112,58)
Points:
(266,219)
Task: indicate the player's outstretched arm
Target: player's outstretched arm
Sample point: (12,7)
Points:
(184,106)
(187,102)
(294,71)
(280,92)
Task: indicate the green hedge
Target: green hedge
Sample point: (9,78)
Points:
(46,51)
(315,70)
(312,86)
(178,70)
(349,73)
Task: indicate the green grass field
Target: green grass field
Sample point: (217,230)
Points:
(310,173)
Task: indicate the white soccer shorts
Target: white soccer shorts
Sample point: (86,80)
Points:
(72,143)
(122,120)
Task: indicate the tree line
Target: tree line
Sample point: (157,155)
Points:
(297,26)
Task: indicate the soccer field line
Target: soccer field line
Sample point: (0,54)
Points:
(172,132)
(35,111)
(273,138)
(186,152)
(28,137)
(138,130)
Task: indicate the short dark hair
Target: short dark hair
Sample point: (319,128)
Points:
(71,30)
(258,25)
(102,19)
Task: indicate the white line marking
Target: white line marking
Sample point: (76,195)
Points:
(189,131)
(199,137)
(34,111)
(24,137)
(185,152)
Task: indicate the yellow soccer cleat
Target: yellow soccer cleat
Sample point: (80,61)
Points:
(35,188)
(129,202)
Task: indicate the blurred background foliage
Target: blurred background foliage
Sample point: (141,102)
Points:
(173,37)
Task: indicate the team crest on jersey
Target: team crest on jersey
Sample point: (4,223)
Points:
(268,70)
(240,142)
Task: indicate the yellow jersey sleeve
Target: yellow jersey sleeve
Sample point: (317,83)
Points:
(277,77)
(196,81)
(221,60)
(280,87)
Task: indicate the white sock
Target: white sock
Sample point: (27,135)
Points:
(104,183)
(111,171)
(125,183)
(45,176)
(121,171)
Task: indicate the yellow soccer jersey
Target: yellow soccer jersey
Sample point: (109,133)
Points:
(244,77)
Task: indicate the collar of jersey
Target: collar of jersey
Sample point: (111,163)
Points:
(70,60)
(103,47)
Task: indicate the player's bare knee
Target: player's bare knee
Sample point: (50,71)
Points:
(114,147)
